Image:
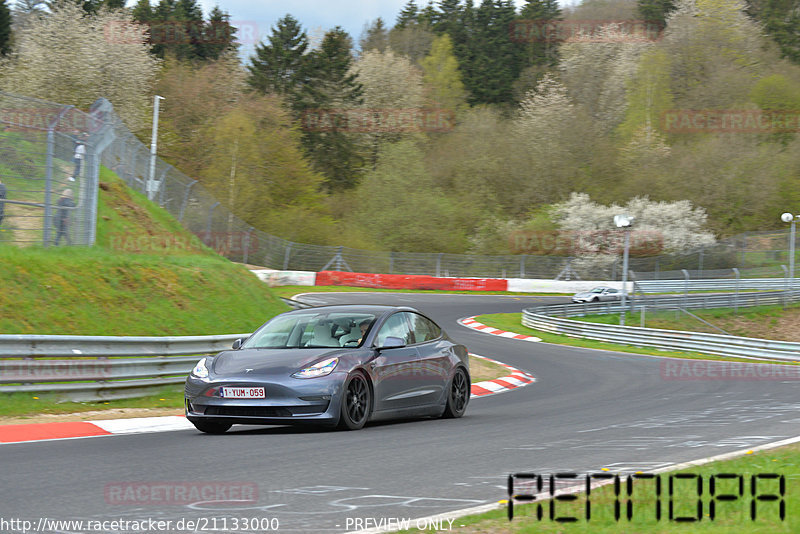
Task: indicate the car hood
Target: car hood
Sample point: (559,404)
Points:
(583,294)
(268,361)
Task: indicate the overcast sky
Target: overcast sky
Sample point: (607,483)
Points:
(256,17)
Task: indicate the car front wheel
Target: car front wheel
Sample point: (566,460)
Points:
(356,402)
(458,395)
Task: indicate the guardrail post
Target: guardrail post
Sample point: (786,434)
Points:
(785,284)
(736,295)
(522,266)
(685,287)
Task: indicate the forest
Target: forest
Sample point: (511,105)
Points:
(455,126)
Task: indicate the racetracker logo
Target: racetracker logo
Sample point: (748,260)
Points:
(730,121)
(592,31)
(72,121)
(223,243)
(572,243)
(180,493)
(721,370)
(54,370)
(356,120)
(181,32)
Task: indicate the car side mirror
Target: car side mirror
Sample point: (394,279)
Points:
(238,344)
(392,343)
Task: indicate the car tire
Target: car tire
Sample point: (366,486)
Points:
(596,299)
(457,395)
(211,427)
(356,402)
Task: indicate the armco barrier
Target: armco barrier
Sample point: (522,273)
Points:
(542,318)
(401,281)
(100,367)
(742,347)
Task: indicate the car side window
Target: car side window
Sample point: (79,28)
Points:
(395,326)
(422,328)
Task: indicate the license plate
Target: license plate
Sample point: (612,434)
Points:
(243,393)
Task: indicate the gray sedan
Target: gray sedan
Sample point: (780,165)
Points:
(332,366)
(598,294)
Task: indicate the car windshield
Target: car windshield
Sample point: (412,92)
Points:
(597,290)
(312,329)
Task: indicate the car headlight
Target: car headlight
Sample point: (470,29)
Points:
(200,370)
(323,368)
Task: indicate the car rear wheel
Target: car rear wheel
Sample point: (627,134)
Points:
(210,427)
(458,396)
(356,402)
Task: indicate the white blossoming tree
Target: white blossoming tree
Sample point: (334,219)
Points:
(70,57)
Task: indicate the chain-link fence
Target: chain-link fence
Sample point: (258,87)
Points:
(49,170)
(39,142)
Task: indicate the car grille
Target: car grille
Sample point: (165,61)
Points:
(264,411)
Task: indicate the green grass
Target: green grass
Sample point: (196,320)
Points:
(20,405)
(172,289)
(720,317)
(511,322)
(731,517)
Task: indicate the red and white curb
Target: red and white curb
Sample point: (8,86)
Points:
(91,429)
(470,322)
(516,379)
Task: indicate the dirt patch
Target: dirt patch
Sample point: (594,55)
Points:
(785,327)
(97,415)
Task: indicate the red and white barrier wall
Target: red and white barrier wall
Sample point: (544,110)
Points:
(405,281)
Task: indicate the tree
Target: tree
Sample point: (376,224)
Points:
(409,15)
(375,36)
(330,87)
(539,51)
(392,89)
(280,65)
(219,34)
(656,10)
(5,28)
(442,77)
(68,57)
(399,186)
(781,20)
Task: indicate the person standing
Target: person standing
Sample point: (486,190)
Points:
(77,158)
(2,198)
(65,204)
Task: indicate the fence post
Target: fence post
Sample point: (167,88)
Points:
(685,287)
(438,264)
(785,284)
(522,266)
(48,181)
(700,263)
(185,200)
(736,297)
(286,256)
(162,182)
(210,215)
(247,245)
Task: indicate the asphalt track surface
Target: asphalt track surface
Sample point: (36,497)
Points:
(588,410)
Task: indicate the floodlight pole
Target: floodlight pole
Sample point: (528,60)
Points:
(151,186)
(791,254)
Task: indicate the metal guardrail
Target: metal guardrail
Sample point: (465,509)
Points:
(82,368)
(717,284)
(543,318)
(721,300)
